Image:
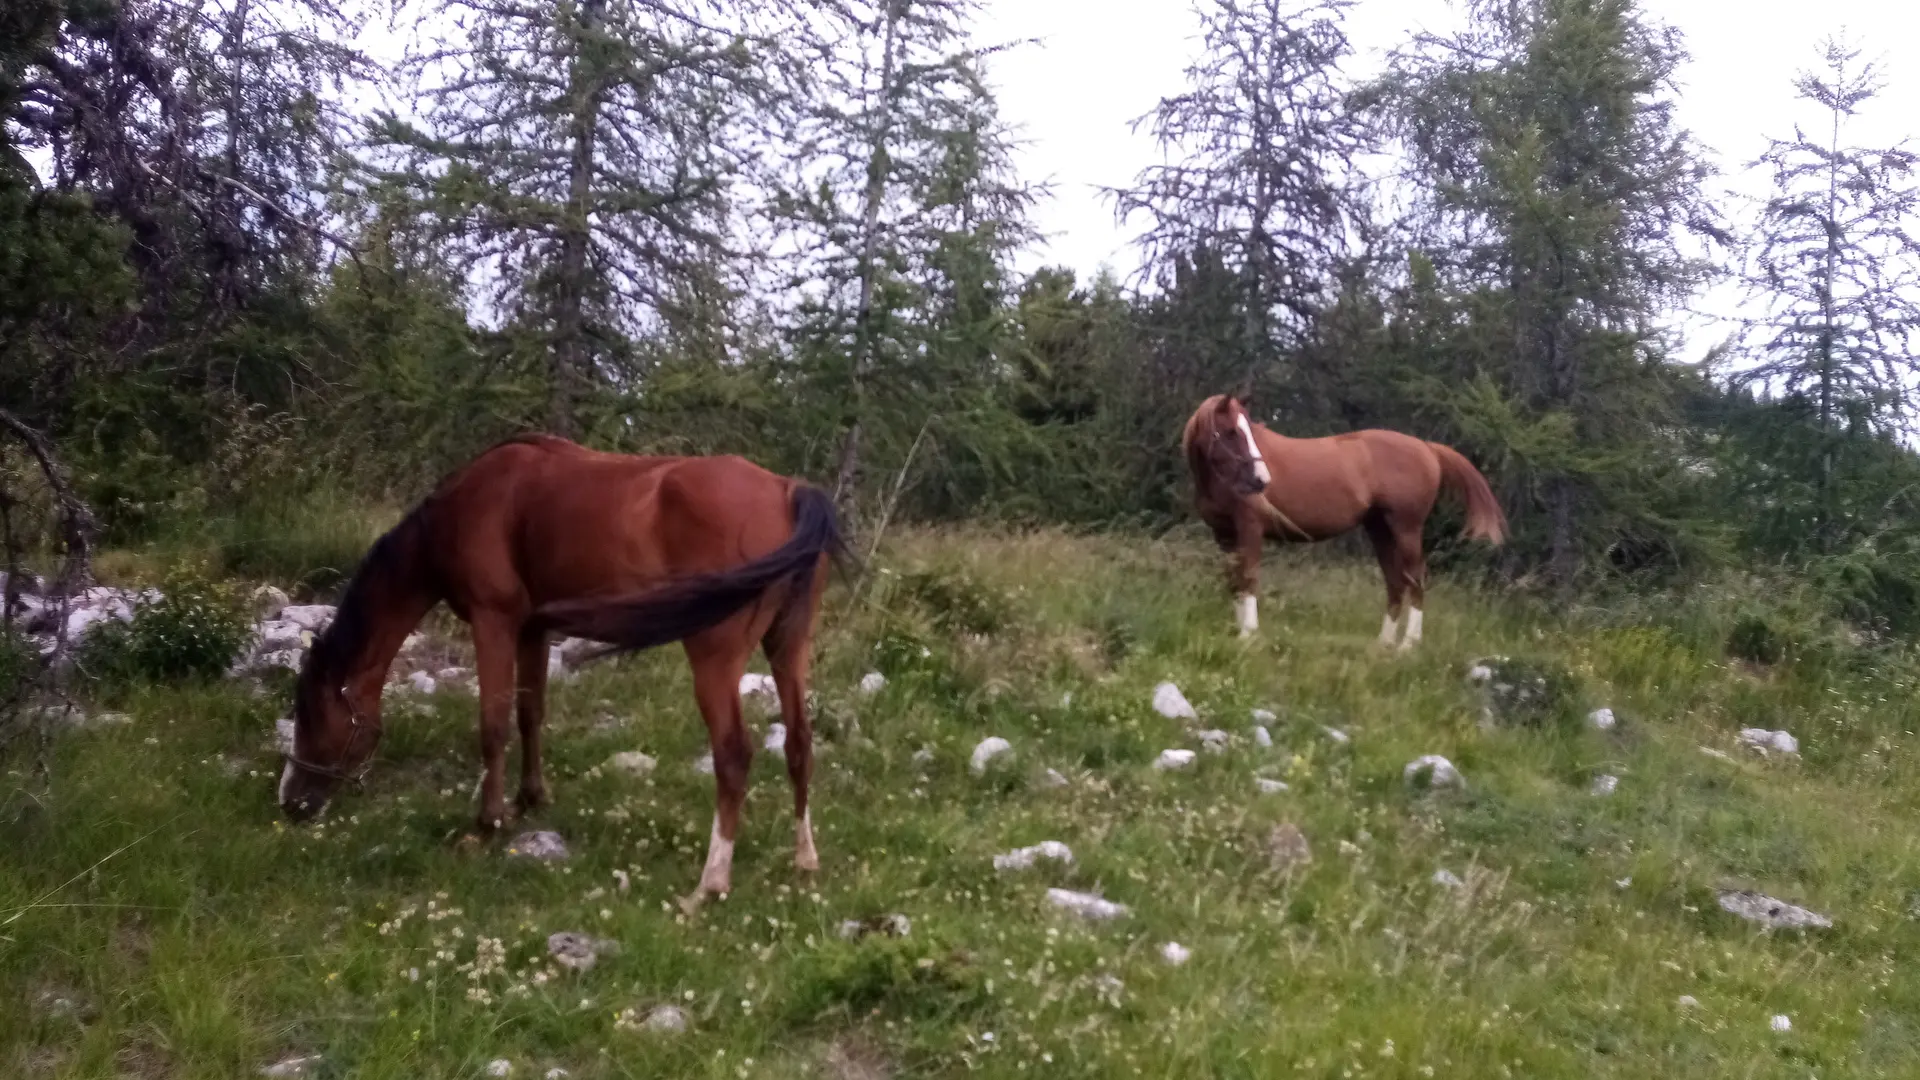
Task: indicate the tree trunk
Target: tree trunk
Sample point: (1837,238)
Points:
(569,359)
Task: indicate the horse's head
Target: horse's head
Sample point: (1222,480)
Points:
(332,743)
(1232,454)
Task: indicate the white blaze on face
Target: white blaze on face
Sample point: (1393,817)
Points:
(1253,448)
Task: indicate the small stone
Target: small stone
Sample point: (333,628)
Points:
(557,670)
(310,617)
(500,1067)
(1432,770)
(1269,787)
(555,1073)
(1287,847)
(1052,778)
(293,1066)
(988,750)
(1688,1001)
(1605,783)
(872,683)
(761,690)
(542,844)
(422,683)
(923,756)
(1769,912)
(1264,716)
(1213,741)
(1447,879)
(1086,905)
(1024,858)
(1781,1022)
(268,602)
(1601,719)
(892,925)
(1262,738)
(704,764)
(632,762)
(776,737)
(576,952)
(1339,737)
(667,1019)
(1764,741)
(1174,759)
(1479,673)
(1169,702)
(1175,953)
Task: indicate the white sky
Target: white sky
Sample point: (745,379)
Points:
(1100,63)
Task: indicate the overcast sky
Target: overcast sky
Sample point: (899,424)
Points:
(1101,63)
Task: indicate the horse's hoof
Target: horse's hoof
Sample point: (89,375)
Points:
(528,801)
(808,863)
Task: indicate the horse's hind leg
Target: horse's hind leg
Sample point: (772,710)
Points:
(1386,547)
(532,714)
(789,646)
(719,658)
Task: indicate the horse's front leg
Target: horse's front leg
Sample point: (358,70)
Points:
(1249,543)
(532,714)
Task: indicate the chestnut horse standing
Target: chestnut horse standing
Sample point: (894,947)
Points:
(539,536)
(1251,485)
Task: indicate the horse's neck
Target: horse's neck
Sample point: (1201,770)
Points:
(388,612)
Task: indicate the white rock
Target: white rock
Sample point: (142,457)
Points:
(293,1066)
(1688,1001)
(760,689)
(1479,673)
(1605,783)
(1781,1022)
(422,683)
(453,674)
(273,634)
(665,1018)
(312,617)
(1024,858)
(1169,702)
(1769,912)
(1175,953)
(872,682)
(1174,759)
(1269,787)
(1086,905)
(577,952)
(538,845)
(500,1067)
(776,737)
(283,735)
(1447,879)
(1262,738)
(557,670)
(633,762)
(704,764)
(1052,778)
(923,756)
(1439,772)
(1601,719)
(1763,740)
(1213,741)
(1339,737)
(988,750)
(1264,716)
(555,1073)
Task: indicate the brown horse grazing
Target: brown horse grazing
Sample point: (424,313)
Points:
(1251,484)
(538,536)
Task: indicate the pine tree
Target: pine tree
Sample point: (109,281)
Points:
(1835,266)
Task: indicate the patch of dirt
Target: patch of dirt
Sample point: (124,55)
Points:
(143,1060)
(852,1057)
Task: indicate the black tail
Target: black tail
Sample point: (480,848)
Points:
(684,608)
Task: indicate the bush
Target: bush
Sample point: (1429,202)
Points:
(1532,692)
(956,600)
(1755,639)
(193,630)
(18,664)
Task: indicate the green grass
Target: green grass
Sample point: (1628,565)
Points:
(158,888)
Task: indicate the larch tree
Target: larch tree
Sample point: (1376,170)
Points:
(583,158)
(1260,176)
(1563,202)
(1835,271)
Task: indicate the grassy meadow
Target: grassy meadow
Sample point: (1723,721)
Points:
(158,919)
